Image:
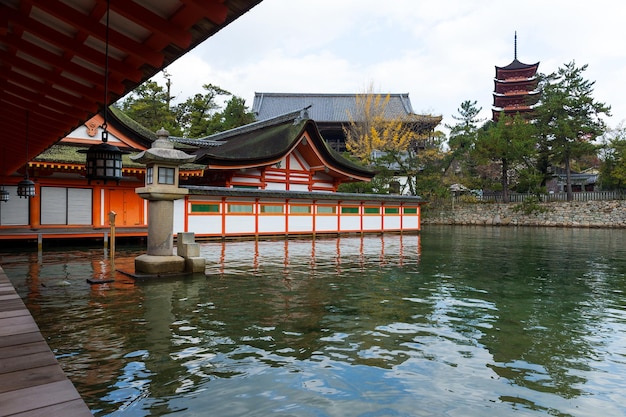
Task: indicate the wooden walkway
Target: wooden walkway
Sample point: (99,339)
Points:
(31,381)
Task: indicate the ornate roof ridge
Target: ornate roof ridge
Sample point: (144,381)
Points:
(218,139)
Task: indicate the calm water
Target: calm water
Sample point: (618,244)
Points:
(455,322)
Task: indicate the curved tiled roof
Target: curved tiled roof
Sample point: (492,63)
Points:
(323,107)
(516,65)
(266,142)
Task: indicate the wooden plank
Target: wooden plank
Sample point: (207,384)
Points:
(75,408)
(17,328)
(4,297)
(13,305)
(31,381)
(34,360)
(23,349)
(33,398)
(18,339)
(25,378)
(13,313)
(17,320)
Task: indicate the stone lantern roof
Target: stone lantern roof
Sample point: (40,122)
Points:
(162,151)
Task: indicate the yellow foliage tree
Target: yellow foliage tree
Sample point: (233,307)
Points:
(376,136)
(372,128)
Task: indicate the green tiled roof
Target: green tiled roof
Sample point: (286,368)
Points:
(273,141)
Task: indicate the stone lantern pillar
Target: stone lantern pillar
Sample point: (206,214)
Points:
(161,189)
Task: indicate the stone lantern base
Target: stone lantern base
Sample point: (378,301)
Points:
(159,264)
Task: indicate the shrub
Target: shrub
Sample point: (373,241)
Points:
(530,205)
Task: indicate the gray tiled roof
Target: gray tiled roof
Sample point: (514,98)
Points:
(323,107)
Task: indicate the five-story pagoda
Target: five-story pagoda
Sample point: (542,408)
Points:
(515,88)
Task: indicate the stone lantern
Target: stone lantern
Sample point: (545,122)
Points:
(161,189)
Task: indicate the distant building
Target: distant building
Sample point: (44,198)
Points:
(333,112)
(515,88)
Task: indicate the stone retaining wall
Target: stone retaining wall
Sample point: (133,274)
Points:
(606,214)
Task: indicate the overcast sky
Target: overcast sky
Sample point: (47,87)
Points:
(440,52)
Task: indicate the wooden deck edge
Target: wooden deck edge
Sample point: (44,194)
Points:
(32,382)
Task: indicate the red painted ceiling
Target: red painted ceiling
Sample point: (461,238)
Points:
(52,59)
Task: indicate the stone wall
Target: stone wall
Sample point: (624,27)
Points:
(607,214)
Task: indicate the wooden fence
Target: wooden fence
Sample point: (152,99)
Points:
(518,198)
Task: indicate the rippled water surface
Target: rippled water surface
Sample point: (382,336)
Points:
(457,321)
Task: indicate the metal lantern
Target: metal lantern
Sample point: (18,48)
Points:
(104,162)
(4,195)
(26,188)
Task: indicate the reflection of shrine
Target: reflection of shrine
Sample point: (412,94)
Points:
(127,340)
(362,250)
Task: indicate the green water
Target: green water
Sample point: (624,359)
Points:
(457,321)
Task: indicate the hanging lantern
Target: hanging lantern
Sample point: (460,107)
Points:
(104,162)
(4,194)
(26,188)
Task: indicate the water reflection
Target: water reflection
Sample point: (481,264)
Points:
(457,321)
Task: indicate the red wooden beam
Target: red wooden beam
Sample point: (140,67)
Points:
(214,10)
(91,93)
(157,25)
(92,26)
(67,43)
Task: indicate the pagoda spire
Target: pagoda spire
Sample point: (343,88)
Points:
(515,46)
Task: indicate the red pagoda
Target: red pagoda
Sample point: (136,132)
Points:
(515,88)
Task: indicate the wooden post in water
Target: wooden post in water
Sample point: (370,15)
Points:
(112,224)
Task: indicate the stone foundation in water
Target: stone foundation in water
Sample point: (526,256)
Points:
(598,214)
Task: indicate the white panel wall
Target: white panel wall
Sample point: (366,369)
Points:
(326,223)
(15,211)
(239,224)
(205,224)
(81,207)
(179,216)
(392,222)
(371,222)
(301,223)
(272,224)
(53,205)
(350,223)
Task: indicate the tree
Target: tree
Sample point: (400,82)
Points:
(364,133)
(196,114)
(463,134)
(148,106)
(511,143)
(462,137)
(235,114)
(568,118)
(613,159)
(390,143)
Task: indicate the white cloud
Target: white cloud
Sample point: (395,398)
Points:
(441,53)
